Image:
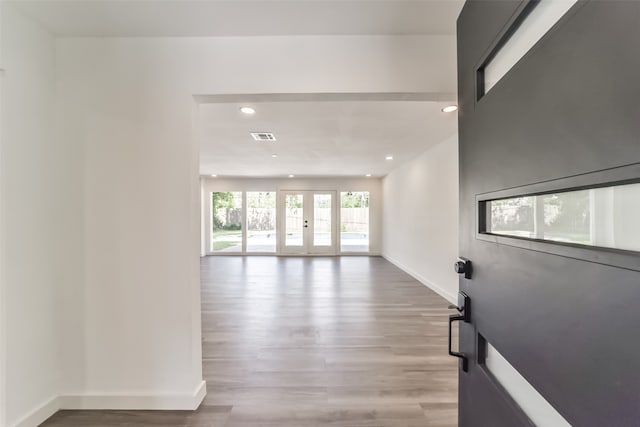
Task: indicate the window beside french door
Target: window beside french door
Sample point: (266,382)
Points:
(226,221)
(354,221)
(261,221)
(243,222)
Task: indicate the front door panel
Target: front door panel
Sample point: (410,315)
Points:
(565,117)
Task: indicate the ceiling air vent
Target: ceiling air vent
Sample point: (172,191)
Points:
(263,136)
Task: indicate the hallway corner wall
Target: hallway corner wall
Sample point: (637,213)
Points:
(420,217)
(40,226)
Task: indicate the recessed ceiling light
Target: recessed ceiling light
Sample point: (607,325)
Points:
(213,175)
(389,158)
(368,175)
(248,110)
(291,176)
(274,155)
(449,108)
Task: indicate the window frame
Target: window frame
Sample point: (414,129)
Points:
(339,225)
(629,174)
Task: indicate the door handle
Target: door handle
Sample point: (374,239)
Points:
(464,310)
(463,266)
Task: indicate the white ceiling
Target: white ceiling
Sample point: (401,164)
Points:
(326,138)
(152,18)
(316,137)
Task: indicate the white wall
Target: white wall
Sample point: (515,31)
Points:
(420,217)
(100,198)
(127,102)
(139,342)
(372,185)
(3,298)
(40,216)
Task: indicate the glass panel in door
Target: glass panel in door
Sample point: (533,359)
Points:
(322,219)
(294,220)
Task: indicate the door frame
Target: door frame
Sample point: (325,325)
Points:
(307,248)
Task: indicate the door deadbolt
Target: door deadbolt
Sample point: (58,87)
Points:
(463,266)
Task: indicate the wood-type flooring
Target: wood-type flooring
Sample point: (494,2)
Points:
(312,341)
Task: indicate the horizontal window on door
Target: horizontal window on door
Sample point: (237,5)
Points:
(605,217)
(534,21)
(532,403)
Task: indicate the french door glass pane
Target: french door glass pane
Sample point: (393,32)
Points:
(261,221)
(226,208)
(294,220)
(354,221)
(322,219)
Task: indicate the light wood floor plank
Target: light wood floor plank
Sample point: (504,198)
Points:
(309,342)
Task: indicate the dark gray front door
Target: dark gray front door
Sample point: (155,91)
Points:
(549,158)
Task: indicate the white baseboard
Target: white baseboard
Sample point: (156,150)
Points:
(40,414)
(187,402)
(163,402)
(444,293)
(198,396)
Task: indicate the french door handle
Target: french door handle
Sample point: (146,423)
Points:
(464,309)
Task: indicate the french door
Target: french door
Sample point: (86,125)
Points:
(307,223)
(549,218)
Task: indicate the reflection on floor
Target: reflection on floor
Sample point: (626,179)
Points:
(302,342)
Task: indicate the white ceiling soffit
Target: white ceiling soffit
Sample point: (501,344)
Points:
(325,96)
(319,138)
(189,18)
